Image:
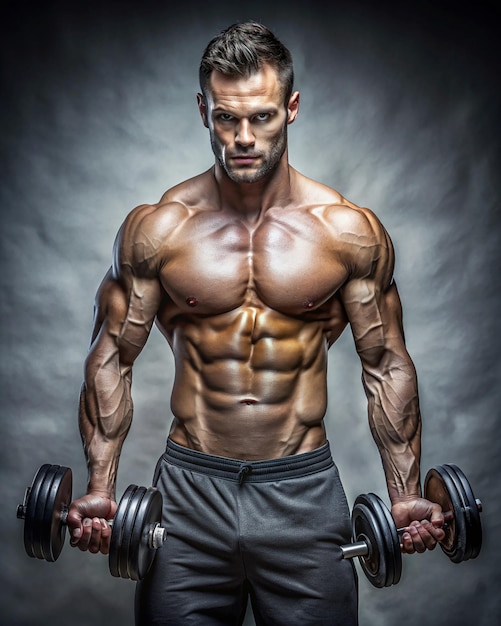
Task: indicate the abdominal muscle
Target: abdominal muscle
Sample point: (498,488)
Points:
(250,384)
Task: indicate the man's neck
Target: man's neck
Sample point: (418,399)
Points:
(251,200)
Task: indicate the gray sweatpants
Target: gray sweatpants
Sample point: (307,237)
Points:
(270,530)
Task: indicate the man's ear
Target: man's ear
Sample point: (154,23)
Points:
(293,107)
(202,107)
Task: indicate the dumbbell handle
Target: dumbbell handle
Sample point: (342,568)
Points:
(157,535)
(362,547)
(358,548)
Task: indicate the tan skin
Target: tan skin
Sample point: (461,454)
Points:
(251,271)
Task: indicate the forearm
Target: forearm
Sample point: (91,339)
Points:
(105,417)
(395,423)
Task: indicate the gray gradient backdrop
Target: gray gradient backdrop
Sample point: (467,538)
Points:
(400,112)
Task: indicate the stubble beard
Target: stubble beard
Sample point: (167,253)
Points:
(269,162)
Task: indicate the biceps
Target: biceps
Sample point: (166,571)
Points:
(376,320)
(124,315)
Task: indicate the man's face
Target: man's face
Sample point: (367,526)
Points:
(247,122)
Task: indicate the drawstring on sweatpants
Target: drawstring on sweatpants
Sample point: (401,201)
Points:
(243,470)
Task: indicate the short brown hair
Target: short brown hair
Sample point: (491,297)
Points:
(241,50)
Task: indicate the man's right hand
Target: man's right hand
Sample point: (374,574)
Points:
(88,525)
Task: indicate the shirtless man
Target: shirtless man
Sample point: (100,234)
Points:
(251,271)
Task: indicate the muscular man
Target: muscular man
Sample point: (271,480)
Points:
(251,271)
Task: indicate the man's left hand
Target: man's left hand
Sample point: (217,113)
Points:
(422,520)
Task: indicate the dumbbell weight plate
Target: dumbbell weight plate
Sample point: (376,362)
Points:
(33,549)
(47,498)
(130,521)
(472,514)
(391,538)
(56,506)
(116,540)
(40,529)
(439,487)
(130,554)
(371,522)
(366,528)
(141,555)
(447,485)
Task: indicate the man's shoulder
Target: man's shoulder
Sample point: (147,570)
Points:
(356,234)
(337,212)
(175,205)
(347,218)
(192,194)
(148,230)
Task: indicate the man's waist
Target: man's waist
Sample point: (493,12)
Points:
(251,471)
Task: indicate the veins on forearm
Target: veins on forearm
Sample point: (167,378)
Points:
(105,418)
(395,424)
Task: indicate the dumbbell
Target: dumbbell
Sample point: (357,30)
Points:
(136,530)
(376,540)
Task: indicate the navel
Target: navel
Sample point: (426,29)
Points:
(248,401)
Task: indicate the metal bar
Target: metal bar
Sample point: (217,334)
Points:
(359,548)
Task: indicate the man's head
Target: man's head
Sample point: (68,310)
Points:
(247,101)
(241,50)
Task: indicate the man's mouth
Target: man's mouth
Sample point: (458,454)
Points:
(244,159)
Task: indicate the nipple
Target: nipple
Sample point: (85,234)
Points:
(191,301)
(308,304)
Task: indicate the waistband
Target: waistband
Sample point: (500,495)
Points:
(249,471)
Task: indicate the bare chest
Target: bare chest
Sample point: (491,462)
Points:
(214,266)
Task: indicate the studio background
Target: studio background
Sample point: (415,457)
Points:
(399,112)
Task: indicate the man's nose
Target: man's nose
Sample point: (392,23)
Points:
(244,136)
